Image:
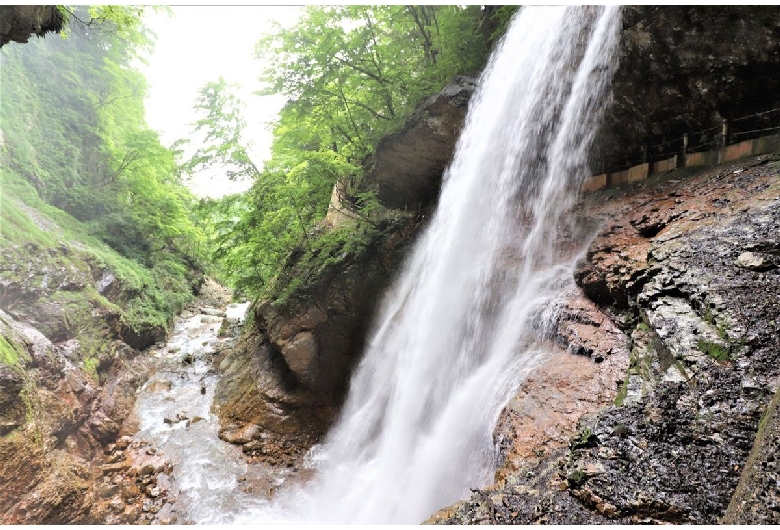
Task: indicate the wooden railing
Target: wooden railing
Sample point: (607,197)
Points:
(683,154)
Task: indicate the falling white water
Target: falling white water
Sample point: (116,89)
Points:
(466,320)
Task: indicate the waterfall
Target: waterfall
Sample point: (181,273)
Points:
(467,319)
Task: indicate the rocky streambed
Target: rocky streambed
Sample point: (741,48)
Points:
(171,467)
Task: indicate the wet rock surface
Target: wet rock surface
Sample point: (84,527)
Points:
(66,455)
(55,423)
(582,374)
(683,69)
(289,370)
(54,290)
(703,364)
(135,485)
(172,468)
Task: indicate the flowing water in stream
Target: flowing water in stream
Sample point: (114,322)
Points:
(468,317)
(174,413)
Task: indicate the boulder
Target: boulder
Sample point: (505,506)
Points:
(300,354)
(692,435)
(753,262)
(407,168)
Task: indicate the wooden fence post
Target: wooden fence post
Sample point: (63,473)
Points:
(681,156)
(725,132)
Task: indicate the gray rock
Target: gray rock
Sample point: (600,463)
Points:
(300,353)
(408,165)
(752,261)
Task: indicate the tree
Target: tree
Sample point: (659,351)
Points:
(352,75)
(221,126)
(72,115)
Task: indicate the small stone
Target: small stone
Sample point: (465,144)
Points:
(108,491)
(116,457)
(194,419)
(116,505)
(593,469)
(146,470)
(254,445)
(117,467)
(752,261)
(609,510)
(240,435)
(130,491)
(159,386)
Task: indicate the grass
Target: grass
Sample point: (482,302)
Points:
(40,240)
(317,257)
(717,351)
(10,351)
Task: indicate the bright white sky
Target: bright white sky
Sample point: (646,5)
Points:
(199,44)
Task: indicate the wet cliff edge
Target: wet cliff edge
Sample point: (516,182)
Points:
(686,266)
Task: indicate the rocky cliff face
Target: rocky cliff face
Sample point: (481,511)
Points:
(54,421)
(283,383)
(72,320)
(407,167)
(688,269)
(684,69)
(66,291)
(19,23)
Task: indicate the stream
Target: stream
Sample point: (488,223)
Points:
(210,479)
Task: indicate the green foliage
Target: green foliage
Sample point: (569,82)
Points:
(90,365)
(502,16)
(10,351)
(622,392)
(222,125)
(577,478)
(76,148)
(122,21)
(326,252)
(352,75)
(36,236)
(717,351)
(584,439)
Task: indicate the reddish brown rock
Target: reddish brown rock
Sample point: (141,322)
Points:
(703,363)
